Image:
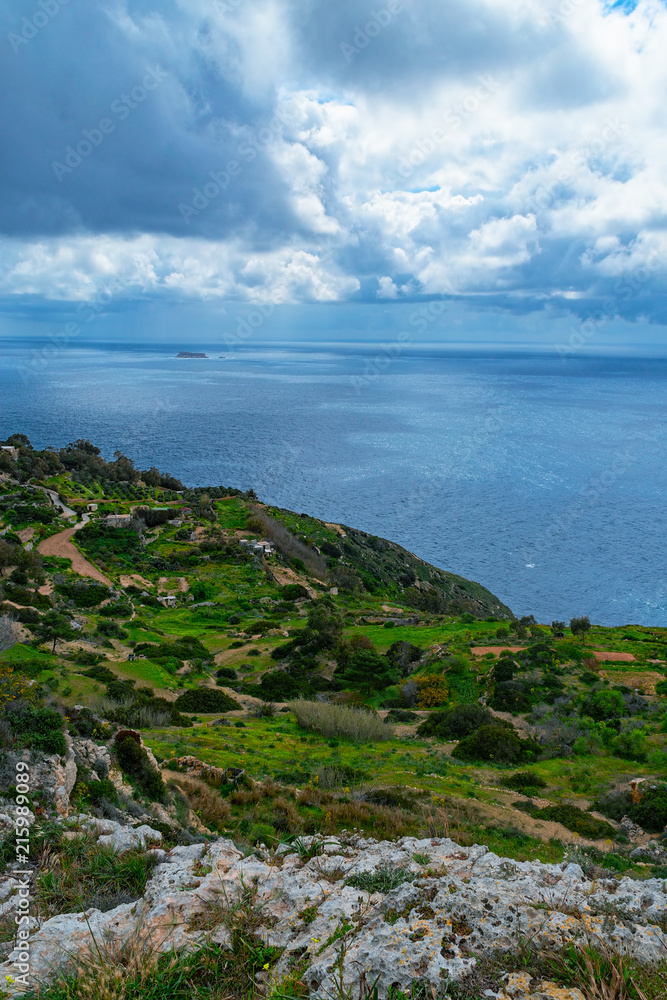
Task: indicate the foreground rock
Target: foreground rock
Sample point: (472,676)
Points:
(454,905)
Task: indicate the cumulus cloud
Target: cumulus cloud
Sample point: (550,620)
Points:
(494,150)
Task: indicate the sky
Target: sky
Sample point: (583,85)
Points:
(469,171)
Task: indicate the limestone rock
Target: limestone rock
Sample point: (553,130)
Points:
(463,903)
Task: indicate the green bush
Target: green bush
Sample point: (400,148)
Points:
(121,609)
(588,677)
(577,821)
(510,696)
(294,591)
(504,670)
(206,700)
(83,595)
(401,716)
(496,744)
(651,812)
(134,762)
(111,629)
(102,790)
(226,673)
(630,746)
(524,781)
(603,705)
(277,686)
(40,729)
(457,723)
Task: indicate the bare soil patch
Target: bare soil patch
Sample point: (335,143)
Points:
(61,545)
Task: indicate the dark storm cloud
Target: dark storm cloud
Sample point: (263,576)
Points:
(108,131)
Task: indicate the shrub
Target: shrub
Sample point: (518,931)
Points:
(403,654)
(588,677)
(226,673)
(567,651)
(604,705)
(400,715)
(523,780)
(39,728)
(277,686)
(615,806)
(368,671)
(503,670)
(111,629)
(498,745)
(510,696)
(134,762)
(205,700)
(83,595)
(651,812)
(457,723)
(294,591)
(333,721)
(102,790)
(577,821)
(630,745)
(431,691)
(122,609)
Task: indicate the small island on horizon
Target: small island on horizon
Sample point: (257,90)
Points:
(191,354)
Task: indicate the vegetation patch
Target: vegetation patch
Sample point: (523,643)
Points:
(206,700)
(498,745)
(341,721)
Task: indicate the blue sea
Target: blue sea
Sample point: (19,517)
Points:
(541,477)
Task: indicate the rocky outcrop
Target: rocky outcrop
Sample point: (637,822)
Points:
(448,906)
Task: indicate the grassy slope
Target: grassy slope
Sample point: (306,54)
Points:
(276,747)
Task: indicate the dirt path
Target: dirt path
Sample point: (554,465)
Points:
(61,545)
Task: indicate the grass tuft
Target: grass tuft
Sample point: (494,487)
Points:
(333,721)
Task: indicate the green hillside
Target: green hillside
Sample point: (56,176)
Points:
(169,621)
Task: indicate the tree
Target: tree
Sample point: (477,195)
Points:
(558,628)
(369,671)
(324,628)
(402,655)
(580,626)
(52,627)
(152,477)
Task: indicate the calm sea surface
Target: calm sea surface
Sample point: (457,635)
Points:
(543,479)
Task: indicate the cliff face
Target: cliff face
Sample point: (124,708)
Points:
(351,911)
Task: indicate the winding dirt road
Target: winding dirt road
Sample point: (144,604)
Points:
(61,545)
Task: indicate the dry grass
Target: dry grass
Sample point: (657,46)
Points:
(208,804)
(386,822)
(333,721)
(289,545)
